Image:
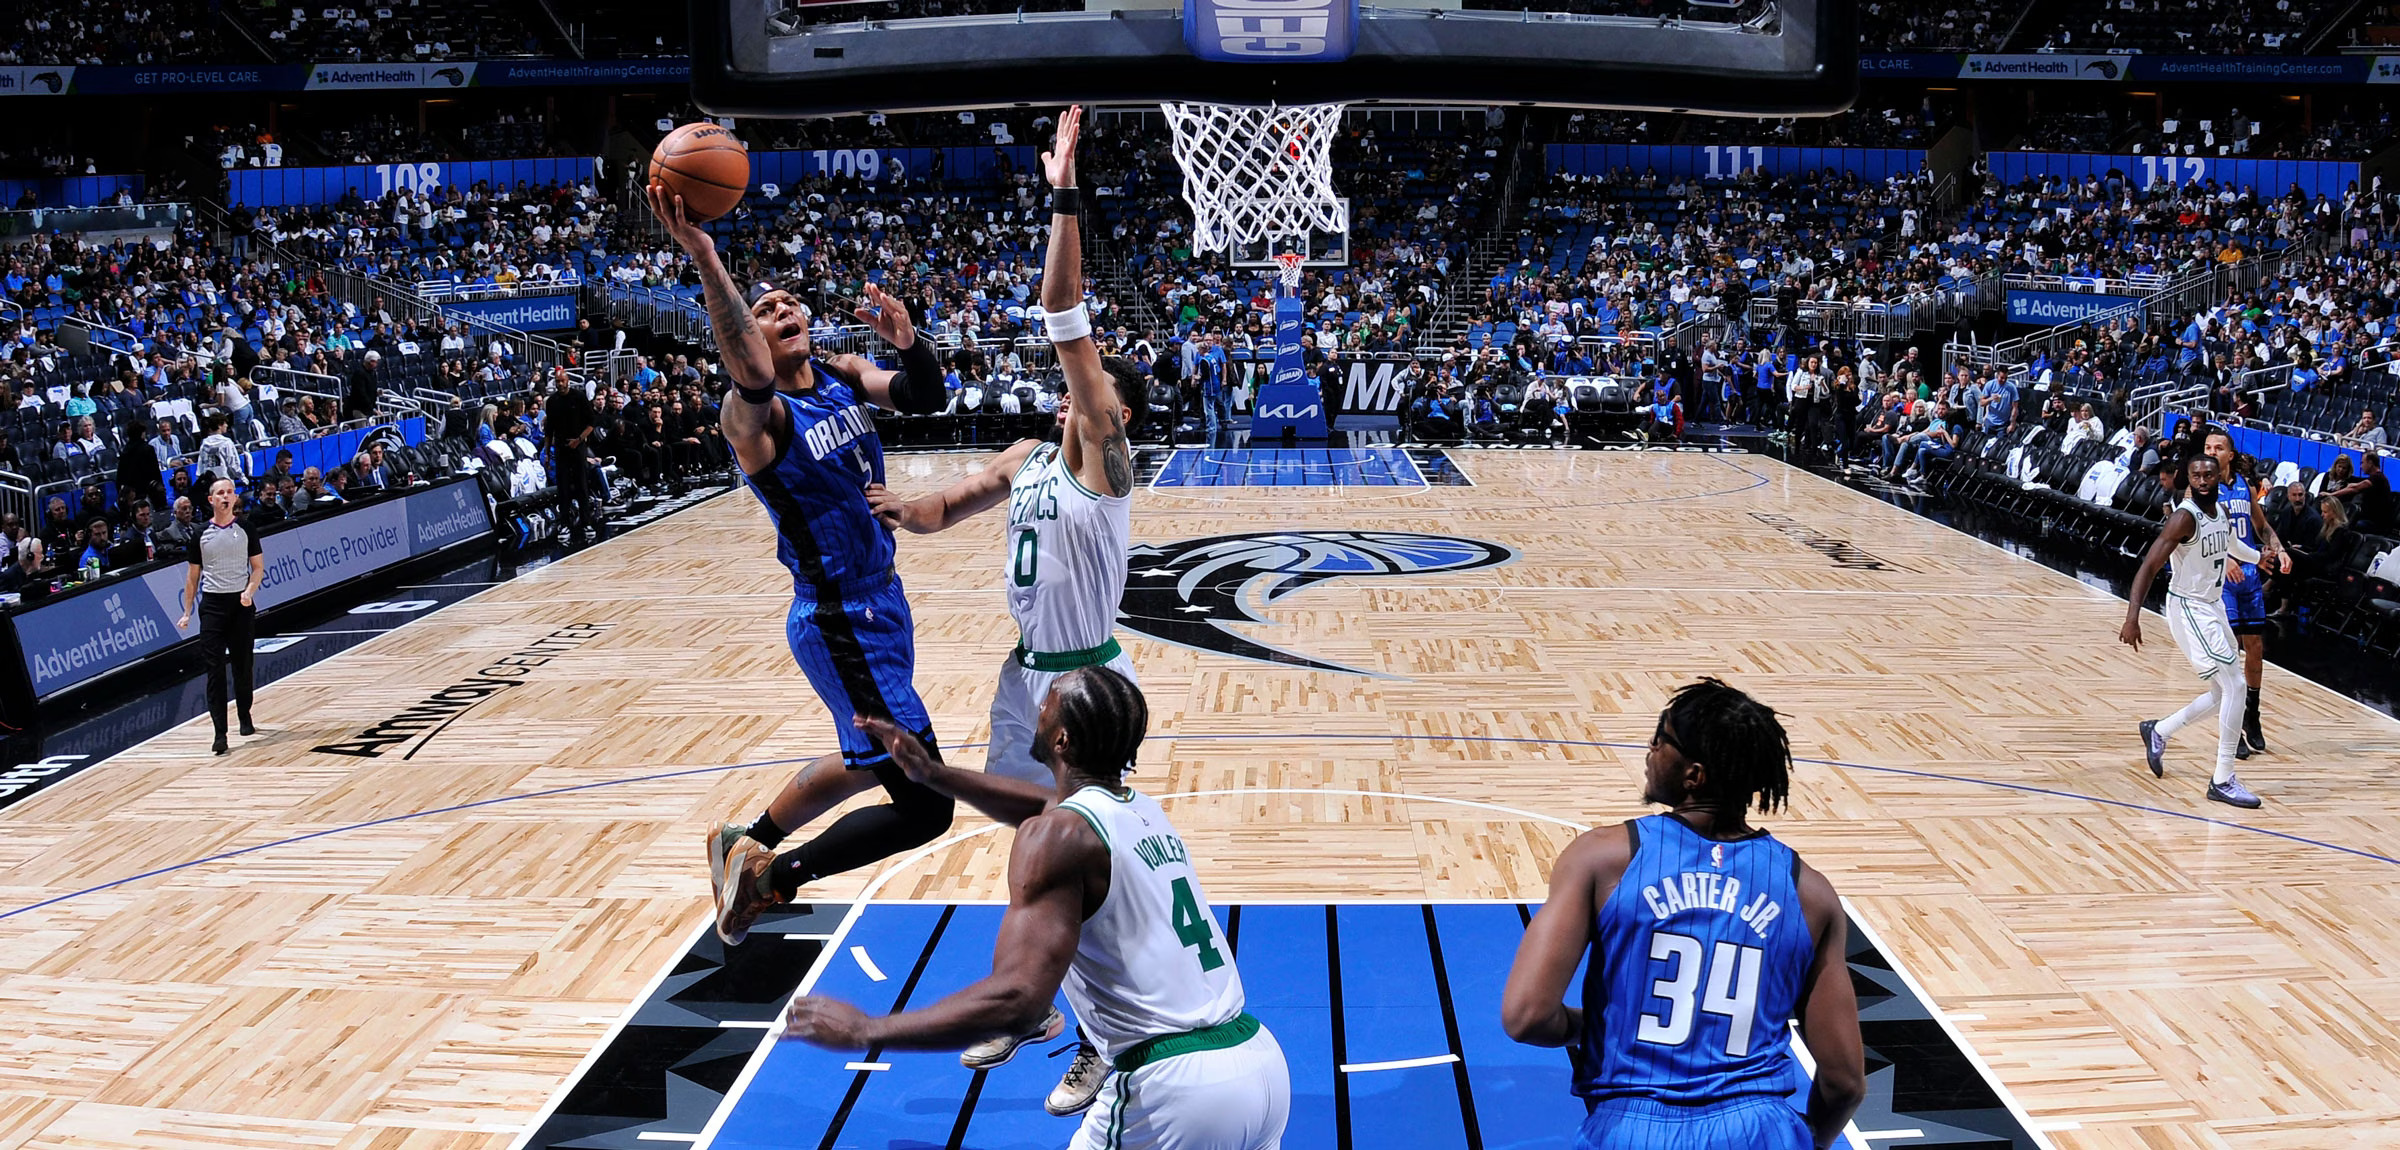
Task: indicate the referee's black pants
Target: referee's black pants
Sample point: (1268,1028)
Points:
(226,631)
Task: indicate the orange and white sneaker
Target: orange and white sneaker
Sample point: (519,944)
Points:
(720,844)
(744,893)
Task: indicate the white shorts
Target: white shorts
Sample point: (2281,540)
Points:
(2200,628)
(1237,1098)
(1016,703)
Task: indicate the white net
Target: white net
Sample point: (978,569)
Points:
(1251,172)
(1287,266)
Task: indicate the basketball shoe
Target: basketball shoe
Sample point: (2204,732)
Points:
(2231,792)
(2154,747)
(1076,1091)
(993,1052)
(744,892)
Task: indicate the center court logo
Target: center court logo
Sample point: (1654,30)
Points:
(1191,593)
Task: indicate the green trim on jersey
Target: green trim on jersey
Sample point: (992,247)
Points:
(1235,1032)
(1069,804)
(1065,660)
(1070,474)
(1030,456)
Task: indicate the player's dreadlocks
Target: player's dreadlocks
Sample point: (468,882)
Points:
(1105,717)
(1738,739)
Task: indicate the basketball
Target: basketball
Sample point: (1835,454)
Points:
(706,165)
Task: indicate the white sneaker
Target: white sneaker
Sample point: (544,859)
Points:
(992,1052)
(1075,1093)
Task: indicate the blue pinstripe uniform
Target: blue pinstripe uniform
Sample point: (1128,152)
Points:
(1701,958)
(849,627)
(2246,601)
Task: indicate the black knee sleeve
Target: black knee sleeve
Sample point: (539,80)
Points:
(924,813)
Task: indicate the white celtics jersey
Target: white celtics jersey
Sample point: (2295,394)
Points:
(1066,556)
(1151,961)
(2197,568)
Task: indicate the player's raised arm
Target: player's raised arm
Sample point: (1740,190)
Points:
(749,359)
(1094,447)
(956,503)
(916,388)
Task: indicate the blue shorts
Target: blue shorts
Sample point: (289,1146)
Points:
(2246,603)
(1765,1123)
(860,653)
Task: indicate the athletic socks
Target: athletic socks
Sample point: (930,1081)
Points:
(2192,712)
(766,833)
(2250,717)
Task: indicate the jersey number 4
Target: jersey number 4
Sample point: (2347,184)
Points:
(1192,928)
(1732,991)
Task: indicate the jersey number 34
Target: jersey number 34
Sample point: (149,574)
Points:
(1732,990)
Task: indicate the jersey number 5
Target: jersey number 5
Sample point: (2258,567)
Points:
(1192,927)
(1732,991)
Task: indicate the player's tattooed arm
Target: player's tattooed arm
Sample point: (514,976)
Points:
(738,337)
(1116,456)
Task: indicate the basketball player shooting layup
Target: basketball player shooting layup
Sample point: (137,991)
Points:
(806,441)
(2199,535)
(1103,903)
(1708,938)
(1069,524)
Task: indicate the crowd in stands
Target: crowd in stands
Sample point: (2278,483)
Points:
(2114,228)
(1938,26)
(197,355)
(1616,251)
(477,236)
(2190,27)
(2350,129)
(2308,348)
(112,32)
(387,31)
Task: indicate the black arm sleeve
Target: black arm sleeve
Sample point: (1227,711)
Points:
(917,387)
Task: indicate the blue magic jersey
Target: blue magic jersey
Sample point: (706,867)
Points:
(1701,958)
(2233,494)
(815,491)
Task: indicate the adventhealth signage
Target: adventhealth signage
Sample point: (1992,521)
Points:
(2046,308)
(83,636)
(524,313)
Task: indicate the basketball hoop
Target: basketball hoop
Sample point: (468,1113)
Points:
(1288,266)
(1251,172)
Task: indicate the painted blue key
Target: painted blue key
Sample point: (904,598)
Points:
(1280,952)
(916,1102)
(1392,1012)
(1522,1100)
(793,1097)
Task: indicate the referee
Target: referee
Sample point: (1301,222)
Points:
(223,583)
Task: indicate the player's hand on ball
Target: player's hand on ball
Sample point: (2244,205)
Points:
(826,1022)
(2131,633)
(888,316)
(668,207)
(907,753)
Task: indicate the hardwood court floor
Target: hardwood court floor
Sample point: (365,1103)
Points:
(2139,968)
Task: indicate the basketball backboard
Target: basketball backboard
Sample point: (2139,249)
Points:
(826,57)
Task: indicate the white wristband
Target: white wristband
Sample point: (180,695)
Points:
(1073,323)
